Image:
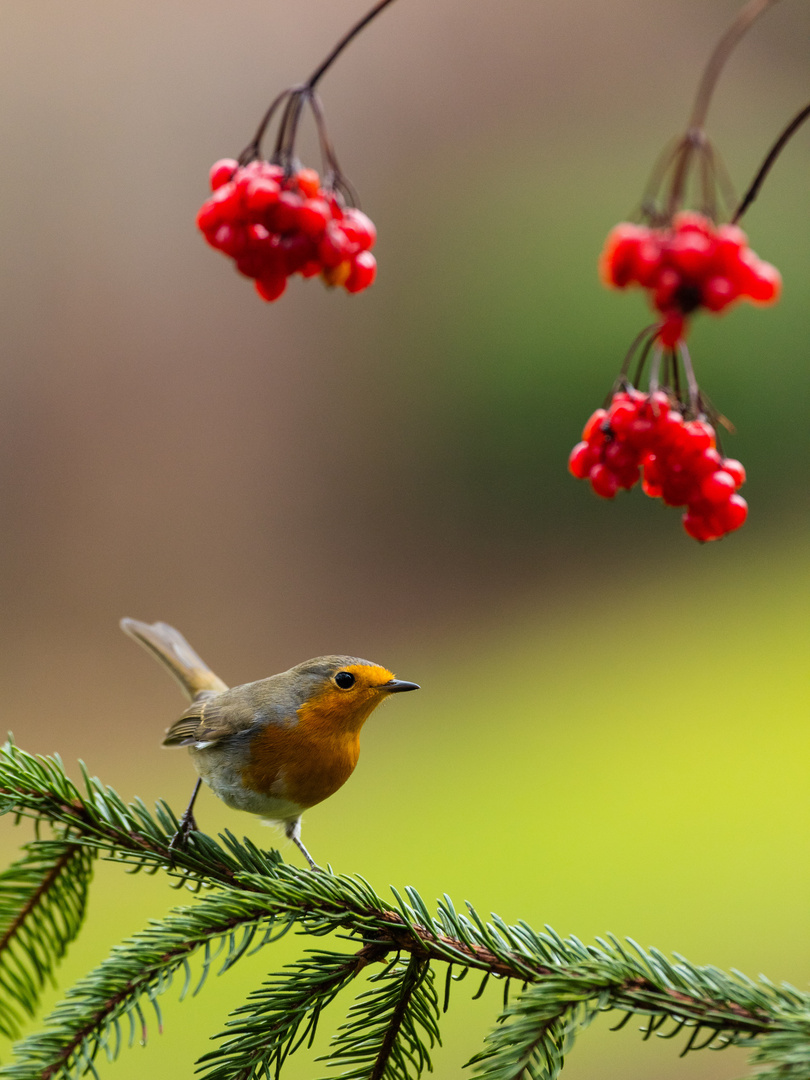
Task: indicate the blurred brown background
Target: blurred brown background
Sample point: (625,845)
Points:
(385,474)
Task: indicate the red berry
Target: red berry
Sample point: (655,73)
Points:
(363,272)
(261,193)
(581,460)
(228,238)
(672,329)
(221,172)
(677,489)
(618,258)
(733,513)
(594,424)
(274,224)
(618,456)
(359,228)
(718,292)
(648,261)
(621,416)
(668,282)
(283,217)
(731,241)
(670,426)
(251,264)
(208,216)
(765,283)
(640,432)
(271,288)
(703,463)
(698,527)
(603,481)
(690,221)
(717,486)
(297,250)
(309,182)
(224,205)
(736,470)
(628,476)
(698,435)
(690,251)
(267,248)
(334,247)
(314,216)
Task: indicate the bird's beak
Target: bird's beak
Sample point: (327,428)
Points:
(398,686)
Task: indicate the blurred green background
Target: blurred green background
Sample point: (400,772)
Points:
(612,731)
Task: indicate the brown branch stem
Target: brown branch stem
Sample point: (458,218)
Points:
(695,139)
(717,61)
(770,160)
(415,972)
(323,67)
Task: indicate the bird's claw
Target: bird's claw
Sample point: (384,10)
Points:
(186,826)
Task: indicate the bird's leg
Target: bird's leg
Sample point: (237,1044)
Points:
(292,830)
(187,822)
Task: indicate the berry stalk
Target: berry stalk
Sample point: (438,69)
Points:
(695,139)
(722,51)
(348,37)
(296,95)
(768,163)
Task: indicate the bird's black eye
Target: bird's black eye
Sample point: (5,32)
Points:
(344,679)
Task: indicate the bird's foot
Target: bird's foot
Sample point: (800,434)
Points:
(187,826)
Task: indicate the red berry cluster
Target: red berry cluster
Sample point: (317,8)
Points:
(274,226)
(645,436)
(689,265)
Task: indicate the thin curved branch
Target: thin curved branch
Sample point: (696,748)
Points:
(770,161)
(323,67)
(722,51)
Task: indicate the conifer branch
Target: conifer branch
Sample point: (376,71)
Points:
(263,1032)
(88,1020)
(43,899)
(381,1038)
(99,820)
(392,1026)
(534,1032)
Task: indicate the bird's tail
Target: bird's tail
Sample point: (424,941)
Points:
(172,649)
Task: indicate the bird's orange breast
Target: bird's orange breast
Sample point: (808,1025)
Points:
(309,760)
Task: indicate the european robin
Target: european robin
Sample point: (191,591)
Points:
(273,747)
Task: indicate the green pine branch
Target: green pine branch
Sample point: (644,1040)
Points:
(262,1033)
(224,925)
(535,1031)
(393,1025)
(43,899)
(390,1027)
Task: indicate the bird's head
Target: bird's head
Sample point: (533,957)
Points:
(340,692)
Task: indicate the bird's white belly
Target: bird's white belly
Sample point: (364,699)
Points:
(225,783)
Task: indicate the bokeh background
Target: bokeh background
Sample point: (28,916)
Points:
(612,733)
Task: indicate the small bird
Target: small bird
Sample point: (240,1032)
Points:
(273,747)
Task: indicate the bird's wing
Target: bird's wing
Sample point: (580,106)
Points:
(210,719)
